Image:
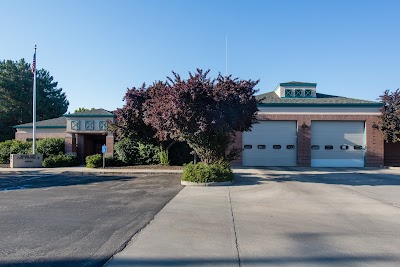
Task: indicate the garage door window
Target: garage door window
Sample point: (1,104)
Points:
(261,146)
(248,146)
(358,147)
(328,147)
(344,147)
(290,147)
(276,146)
(314,147)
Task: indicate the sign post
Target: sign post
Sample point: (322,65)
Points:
(104,150)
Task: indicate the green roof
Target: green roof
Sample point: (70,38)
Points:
(91,113)
(272,99)
(295,83)
(60,122)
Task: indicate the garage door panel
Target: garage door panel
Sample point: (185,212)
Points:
(338,135)
(270,134)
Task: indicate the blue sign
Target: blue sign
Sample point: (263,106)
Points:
(103,149)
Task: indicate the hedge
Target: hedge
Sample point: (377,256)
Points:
(50,146)
(96,161)
(13,147)
(203,173)
(60,160)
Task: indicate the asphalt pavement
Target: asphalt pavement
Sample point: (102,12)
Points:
(57,217)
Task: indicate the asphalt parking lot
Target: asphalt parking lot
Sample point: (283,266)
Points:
(76,220)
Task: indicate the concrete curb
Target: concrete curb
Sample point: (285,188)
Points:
(206,184)
(80,170)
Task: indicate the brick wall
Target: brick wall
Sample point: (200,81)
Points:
(392,154)
(374,138)
(23,136)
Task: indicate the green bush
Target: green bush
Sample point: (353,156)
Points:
(13,147)
(148,154)
(50,146)
(202,173)
(96,161)
(127,151)
(60,160)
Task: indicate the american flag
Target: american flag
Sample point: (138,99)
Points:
(34,63)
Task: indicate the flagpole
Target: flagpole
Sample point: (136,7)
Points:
(34,104)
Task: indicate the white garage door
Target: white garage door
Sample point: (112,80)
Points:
(337,143)
(270,143)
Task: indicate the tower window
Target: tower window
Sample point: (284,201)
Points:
(298,92)
(288,93)
(308,92)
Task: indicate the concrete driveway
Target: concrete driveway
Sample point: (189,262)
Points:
(277,217)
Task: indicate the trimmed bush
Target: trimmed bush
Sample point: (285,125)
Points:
(50,146)
(96,161)
(60,160)
(202,173)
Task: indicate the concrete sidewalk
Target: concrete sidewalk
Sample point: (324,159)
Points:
(275,217)
(83,170)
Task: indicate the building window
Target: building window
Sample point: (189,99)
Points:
(75,125)
(308,92)
(298,93)
(89,125)
(288,93)
(102,125)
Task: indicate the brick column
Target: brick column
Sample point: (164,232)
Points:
(374,145)
(238,144)
(110,144)
(304,141)
(70,144)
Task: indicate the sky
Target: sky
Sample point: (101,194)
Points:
(96,49)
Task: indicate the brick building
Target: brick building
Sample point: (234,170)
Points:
(297,126)
(84,132)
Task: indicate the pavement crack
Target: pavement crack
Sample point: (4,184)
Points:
(234,228)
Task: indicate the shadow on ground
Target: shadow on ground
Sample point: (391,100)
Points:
(333,260)
(35,181)
(339,176)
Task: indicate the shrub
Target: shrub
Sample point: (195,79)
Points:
(94,161)
(60,160)
(127,151)
(202,173)
(13,147)
(50,146)
(148,154)
(163,156)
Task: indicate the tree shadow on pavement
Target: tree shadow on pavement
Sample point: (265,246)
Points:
(339,176)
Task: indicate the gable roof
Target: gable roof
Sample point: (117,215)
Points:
(91,113)
(272,99)
(60,122)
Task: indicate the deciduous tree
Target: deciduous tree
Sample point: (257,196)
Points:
(390,117)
